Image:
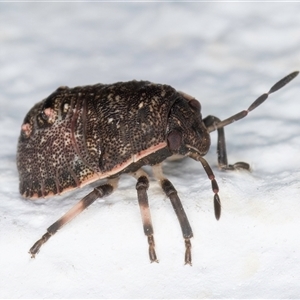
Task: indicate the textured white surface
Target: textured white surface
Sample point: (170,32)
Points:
(224,54)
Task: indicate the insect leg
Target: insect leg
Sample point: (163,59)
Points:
(141,187)
(214,185)
(278,85)
(171,193)
(221,147)
(99,192)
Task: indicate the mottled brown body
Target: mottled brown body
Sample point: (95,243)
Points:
(79,135)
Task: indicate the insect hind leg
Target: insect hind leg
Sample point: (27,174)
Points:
(98,192)
(221,147)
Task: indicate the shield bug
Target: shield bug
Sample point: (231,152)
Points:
(80,135)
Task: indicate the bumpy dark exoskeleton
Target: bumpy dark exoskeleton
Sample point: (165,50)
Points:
(79,135)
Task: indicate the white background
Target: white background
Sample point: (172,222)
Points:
(224,54)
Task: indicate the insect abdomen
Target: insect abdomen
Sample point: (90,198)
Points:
(79,135)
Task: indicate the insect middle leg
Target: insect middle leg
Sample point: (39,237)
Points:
(221,147)
(141,187)
(98,192)
(171,193)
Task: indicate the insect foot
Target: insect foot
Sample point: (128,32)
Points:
(80,135)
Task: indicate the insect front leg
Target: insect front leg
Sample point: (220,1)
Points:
(221,147)
(98,192)
(214,185)
(141,187)
(171,193)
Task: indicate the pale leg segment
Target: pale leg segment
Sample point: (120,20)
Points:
(99,192)
(141,186)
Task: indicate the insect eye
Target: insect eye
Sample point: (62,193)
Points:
(195,105)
